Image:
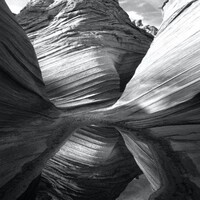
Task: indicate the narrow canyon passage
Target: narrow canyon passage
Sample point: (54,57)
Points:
(88,102)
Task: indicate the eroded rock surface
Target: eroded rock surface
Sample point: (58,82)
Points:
(31,127)
(157,115)
(87,51)
(81,27)
(161,106)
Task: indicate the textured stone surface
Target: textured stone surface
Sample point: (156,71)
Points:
(87,51)
(28,118)
(157,114)
(161,106)
(93,164)
(100,30)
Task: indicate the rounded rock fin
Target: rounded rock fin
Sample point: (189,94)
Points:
(18,58)
(160,105)
(85,57)
(84,52)
(27,117)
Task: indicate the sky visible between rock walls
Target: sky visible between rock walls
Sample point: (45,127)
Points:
(147,10)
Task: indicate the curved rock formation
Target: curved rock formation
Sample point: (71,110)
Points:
(82,27)
(160,106)
(157,114)
(28,118)
(87,50)
(88,41)
(93,164)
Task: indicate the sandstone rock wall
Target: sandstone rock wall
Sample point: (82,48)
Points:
(157,115)
(27,116)
(161,106)
(87,51)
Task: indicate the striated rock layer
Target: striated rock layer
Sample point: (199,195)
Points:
(160,106)
(93,164)
(87,51)
(83,29)
(31,129)
(157,114)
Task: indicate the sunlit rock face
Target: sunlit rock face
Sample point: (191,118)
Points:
(87,51)
(30,128)
(93,164)
(157,115)
(97,29)
(161,105)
